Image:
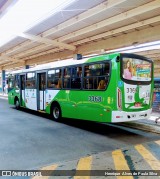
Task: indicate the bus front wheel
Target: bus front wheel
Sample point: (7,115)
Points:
(56,112)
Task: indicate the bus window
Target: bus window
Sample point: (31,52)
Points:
(17,80)
(67,78)
(136,69)
(105,69)
(58,78)
(96,76)
(76,77)
(51,79)
(22,82)
(30,80)
(88,80)
(79,72)
(42,82)
(11,81)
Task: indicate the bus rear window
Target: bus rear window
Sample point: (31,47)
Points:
(134,69)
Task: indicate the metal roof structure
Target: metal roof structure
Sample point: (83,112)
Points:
(85,27)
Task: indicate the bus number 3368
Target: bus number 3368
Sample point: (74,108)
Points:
(95,98)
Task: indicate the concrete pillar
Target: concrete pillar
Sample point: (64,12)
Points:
(3,80)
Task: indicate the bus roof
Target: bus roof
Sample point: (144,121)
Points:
(68,62)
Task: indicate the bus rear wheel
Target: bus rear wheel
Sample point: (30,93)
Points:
(56,112)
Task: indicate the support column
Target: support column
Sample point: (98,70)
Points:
(3,81)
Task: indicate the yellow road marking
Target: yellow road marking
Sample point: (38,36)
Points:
(120,163)
(158,142)
(50,167)
(84,164)
(151,160)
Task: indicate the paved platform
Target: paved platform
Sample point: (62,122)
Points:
(72,146)
(151,125)
(3,95)
(141,160)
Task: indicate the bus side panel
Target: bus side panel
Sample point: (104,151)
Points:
(11,97)
(50,97)
(87,105)
(12,94)
(68,106)
(77,105)
(42,95)
(31,98)
(93,106)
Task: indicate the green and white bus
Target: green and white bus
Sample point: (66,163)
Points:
(106,88)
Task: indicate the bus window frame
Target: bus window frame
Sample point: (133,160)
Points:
(60,78)
(17,81)
(34,79)
(13,81)
(109,61)
(76,77)
(122,55)
(22,74)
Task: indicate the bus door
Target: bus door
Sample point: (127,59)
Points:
(41,77)
(22,90)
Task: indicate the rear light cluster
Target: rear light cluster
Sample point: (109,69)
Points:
(119,99)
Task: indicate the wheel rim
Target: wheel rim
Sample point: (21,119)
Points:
(56,113)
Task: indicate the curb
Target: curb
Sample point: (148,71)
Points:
(142,126)
(3,97)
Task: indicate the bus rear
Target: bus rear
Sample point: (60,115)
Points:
(134,88)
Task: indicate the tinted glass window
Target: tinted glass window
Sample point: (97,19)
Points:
(96,76)
(30,80)
(136,69)
(54,78)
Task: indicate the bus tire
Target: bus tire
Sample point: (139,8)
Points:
(17,104)
(56,112)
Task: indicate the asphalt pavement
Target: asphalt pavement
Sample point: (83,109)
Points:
(32,141)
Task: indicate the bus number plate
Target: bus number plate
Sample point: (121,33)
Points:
(95,98)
